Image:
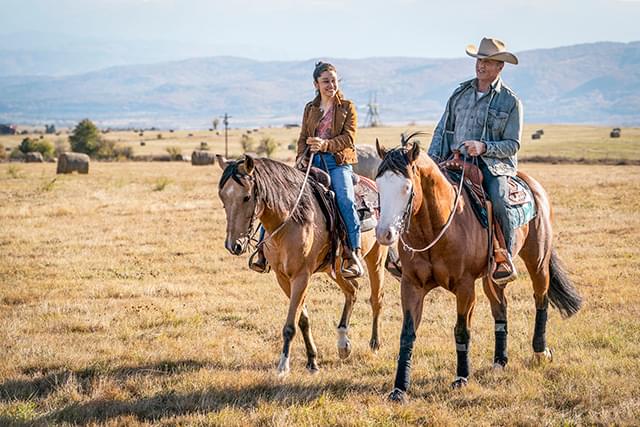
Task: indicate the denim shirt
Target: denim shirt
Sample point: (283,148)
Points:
(495,119)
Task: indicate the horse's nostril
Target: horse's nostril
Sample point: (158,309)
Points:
(237,248)
(388,235)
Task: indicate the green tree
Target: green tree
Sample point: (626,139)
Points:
(29,145)
(85,138)
(268,146)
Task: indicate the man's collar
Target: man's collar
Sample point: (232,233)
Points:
(496,85)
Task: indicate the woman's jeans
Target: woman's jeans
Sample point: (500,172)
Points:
(342,186)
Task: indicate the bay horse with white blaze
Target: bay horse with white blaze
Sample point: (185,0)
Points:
(416,203)
(297,244)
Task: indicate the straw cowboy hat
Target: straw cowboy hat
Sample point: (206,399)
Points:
(492,49)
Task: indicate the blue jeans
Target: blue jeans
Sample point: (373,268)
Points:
(497,189)
(342,186)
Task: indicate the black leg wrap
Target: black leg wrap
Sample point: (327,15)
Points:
(500,354)
(287,333)
(407,338)
(463,338)
(539,333)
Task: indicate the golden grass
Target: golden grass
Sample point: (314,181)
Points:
(573,142)
(120,306)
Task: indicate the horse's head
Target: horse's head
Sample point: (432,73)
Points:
(395,186)
(237,192)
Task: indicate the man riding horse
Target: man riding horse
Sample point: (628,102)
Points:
(483,118)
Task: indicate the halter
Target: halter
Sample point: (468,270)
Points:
(406,219)
(250,233)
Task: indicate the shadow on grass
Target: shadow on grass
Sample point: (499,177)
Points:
(48,380)
(170,403)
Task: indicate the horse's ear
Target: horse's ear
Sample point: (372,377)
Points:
(222,162)
(380,149)
(248,164)
(414,151)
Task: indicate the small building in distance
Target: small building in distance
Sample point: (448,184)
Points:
(8,129)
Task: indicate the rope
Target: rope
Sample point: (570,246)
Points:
(295,205)
(408,248)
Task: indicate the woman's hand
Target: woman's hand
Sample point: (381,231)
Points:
(317,144)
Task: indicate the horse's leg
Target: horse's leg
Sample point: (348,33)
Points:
(312,352)
(412,299)
(539,273)
(465,302)
(375,266)
(349,288)
(498,303)
(297,292)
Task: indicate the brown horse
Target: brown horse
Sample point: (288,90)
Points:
(266,190)
(416,201)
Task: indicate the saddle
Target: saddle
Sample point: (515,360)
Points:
(521,202)
(366,193)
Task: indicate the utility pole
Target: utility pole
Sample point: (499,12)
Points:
(225,121)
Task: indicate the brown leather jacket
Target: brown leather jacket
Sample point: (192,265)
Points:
(343,132)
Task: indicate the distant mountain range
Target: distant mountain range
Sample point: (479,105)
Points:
(595,83)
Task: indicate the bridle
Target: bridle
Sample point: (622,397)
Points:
(251,233)
(406,219)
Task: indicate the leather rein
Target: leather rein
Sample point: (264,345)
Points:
(406,219)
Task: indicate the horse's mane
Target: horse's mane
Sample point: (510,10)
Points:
(276,185)
(397,159)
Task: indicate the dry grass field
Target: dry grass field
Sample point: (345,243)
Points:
(120,306)
(559,141)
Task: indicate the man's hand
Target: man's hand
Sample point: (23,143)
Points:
(474,148)
(317,144)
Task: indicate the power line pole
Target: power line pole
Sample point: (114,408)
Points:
(225,121)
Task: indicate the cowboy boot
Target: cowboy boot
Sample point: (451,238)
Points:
(258,262)
(505,271)
(351,266)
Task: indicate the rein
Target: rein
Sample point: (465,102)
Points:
(295,205)
(406,218)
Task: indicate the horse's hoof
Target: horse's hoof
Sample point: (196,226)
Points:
(459,382)
(542,357)
(374,345)
(499,365)
(312,367)
(283,367)
(398,396)
(345,351)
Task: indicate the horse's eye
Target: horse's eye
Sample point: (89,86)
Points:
(246,199)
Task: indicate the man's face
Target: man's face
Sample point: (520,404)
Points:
(488,70)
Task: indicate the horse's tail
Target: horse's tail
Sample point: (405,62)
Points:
(562,292)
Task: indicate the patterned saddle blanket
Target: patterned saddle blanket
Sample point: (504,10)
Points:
(521,207)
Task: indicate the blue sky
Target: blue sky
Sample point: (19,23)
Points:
(299,29)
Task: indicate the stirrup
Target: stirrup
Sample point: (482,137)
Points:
(259,265)
(353,271)
(504,272)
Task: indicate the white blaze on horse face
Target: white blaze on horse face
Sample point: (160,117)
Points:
(239,208)
(395,191)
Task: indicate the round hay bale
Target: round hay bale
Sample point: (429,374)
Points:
(34,157)
(615,134)
(540,131)
(202,158)
(535,136)
(70,162)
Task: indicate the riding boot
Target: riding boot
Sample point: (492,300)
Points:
(351,267)
(258,262)
(505,270)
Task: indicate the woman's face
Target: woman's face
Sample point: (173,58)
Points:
(327,84)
